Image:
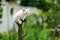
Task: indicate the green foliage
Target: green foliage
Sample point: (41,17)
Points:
(42,4)
(1,9)
(37,26)
(8,36)
(11,11)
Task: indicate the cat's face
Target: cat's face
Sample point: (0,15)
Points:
(26,10)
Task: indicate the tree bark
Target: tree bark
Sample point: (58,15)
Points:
(20,37)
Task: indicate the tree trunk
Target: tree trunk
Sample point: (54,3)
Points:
(20,37)
(20,32)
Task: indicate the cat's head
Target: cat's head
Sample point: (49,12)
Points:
(26,10)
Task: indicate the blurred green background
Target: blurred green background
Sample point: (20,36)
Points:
(38,26)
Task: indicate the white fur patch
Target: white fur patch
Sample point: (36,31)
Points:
(21,14)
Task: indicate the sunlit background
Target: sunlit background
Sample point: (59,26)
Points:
(41,24)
